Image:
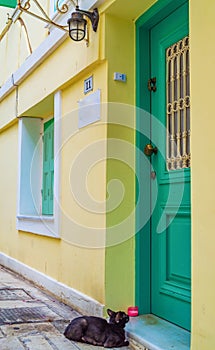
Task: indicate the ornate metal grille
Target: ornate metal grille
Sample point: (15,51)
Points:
(178,105)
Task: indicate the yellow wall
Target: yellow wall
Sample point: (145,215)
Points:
(120,253)
(82,58)
(8,110)
(203,147)
(23,37)
(8,188)
(83,211)
(119,260)
(69,260)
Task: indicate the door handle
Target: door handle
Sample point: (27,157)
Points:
(149,150)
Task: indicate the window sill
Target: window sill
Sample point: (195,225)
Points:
(148,332)
(41,225)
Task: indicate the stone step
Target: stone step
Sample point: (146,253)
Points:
(148,332)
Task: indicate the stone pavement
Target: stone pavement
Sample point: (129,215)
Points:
(30,319)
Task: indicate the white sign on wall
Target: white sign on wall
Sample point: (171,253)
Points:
(89,109)
(88,84)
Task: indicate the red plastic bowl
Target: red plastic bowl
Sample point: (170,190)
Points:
(133,311)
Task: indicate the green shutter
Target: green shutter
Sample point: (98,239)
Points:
(8,3)
(48,168)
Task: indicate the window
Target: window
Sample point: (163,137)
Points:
(60,3)
(48,168)
(38,186)
(53,6)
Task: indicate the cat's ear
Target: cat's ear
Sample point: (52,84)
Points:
(110,312)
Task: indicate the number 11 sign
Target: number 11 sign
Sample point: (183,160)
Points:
(88,84)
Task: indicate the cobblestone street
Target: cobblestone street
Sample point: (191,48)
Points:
(31,319)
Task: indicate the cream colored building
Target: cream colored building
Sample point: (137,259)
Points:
(85,212)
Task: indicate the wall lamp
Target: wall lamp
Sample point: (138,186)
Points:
(76,25)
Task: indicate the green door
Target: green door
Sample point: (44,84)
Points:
(170,225)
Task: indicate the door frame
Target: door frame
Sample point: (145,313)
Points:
(154,15)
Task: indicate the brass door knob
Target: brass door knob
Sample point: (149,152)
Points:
(149,150)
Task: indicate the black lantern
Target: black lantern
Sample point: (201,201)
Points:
(77,23)
(77,26)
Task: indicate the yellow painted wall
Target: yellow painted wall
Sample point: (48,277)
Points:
(72,260)
(120,251)
(8,110)
(23,37)
(83,210)
(8,188)
(79,264)
(120,52)
(203,147)
(65,69)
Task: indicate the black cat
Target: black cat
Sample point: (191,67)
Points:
(97,331)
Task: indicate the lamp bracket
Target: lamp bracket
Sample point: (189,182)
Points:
(93,16)
(25,6)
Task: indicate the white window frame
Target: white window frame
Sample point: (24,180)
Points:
(29,199)
(53,9)
(58,17)
(83,4)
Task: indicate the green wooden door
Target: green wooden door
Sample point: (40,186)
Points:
(170,170)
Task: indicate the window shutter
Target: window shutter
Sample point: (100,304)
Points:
(48,168)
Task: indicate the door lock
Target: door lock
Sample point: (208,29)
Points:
(149,150)
(152,84)
(153,175)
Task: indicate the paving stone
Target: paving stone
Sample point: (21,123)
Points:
(25,329)
(14,294)
(64,311)
(11,343)
(60,342)
(15,304)
(82,346)
(7,277)
(36,342)
(36,293)
(60,325)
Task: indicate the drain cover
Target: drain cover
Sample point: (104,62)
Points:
(27,314)
(14,294)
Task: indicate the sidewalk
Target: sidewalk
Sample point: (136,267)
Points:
(30,319)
